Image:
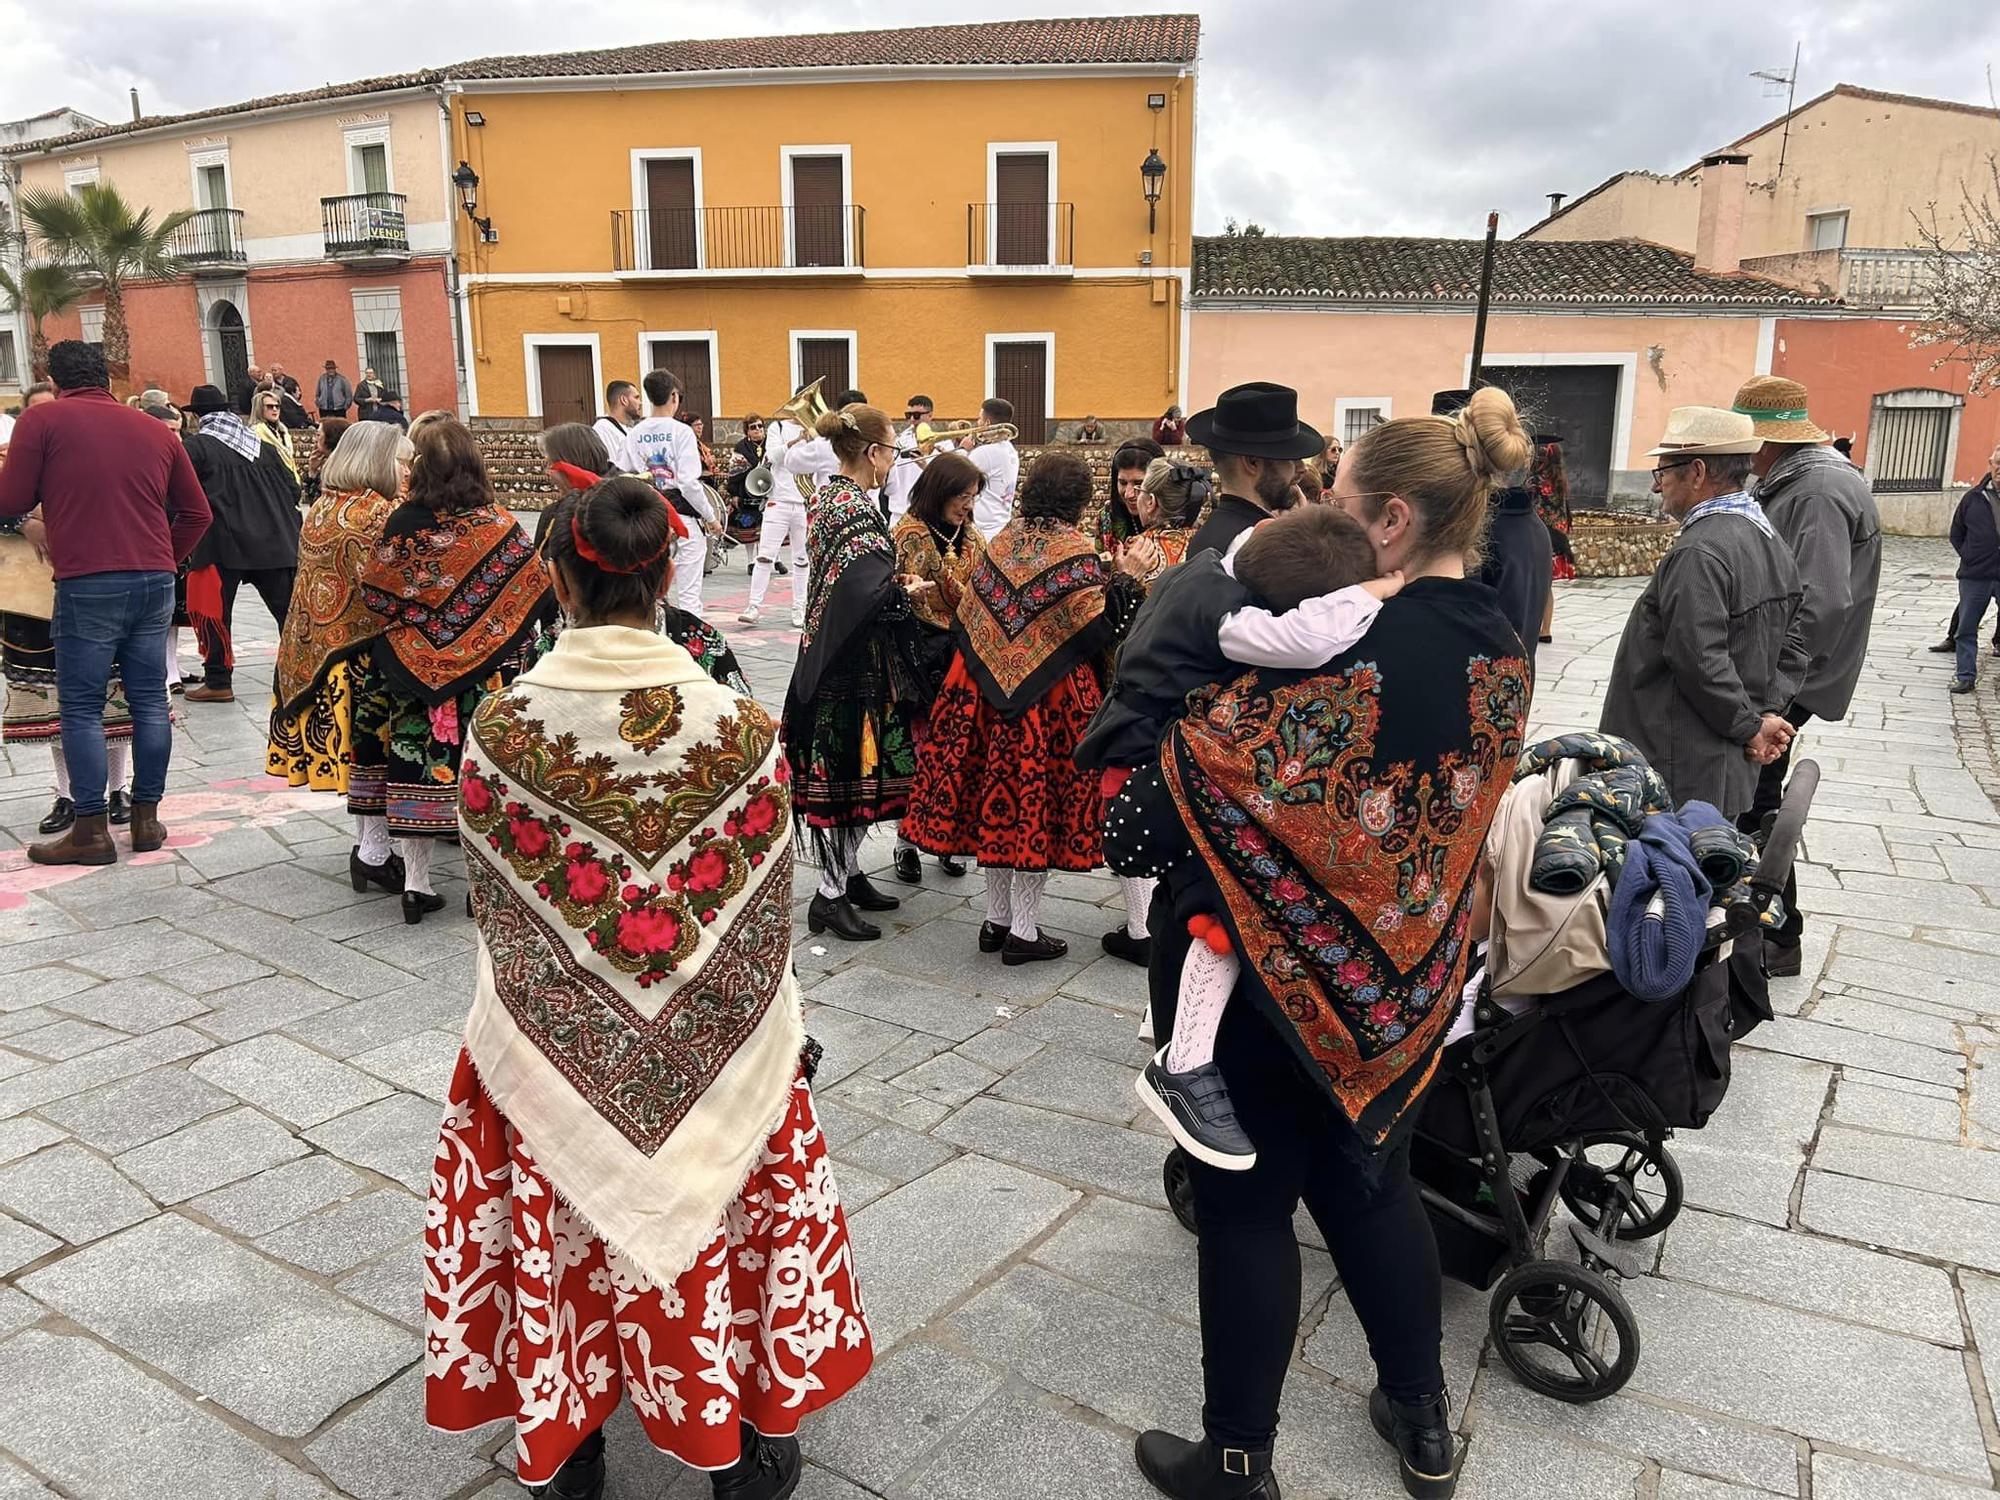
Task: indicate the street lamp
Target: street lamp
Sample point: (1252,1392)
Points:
(1152,172)
(467,182)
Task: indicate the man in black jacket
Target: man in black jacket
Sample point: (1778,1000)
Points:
(1975,537)
(1254,435)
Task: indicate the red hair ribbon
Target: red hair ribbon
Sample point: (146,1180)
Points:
(676,529)
(571,475)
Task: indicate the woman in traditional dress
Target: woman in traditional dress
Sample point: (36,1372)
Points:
(996,777)
(1548,481)
(858,683)
(1341,814)
(936,541)
(459,592)
(330,627)
(1119,522)
(665,1226)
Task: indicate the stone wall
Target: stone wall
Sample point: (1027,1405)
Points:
(1617,545)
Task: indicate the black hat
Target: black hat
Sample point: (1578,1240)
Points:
(1449,403)
(1259,420)
(207,398)
(1548,440)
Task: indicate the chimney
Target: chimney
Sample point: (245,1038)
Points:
(1556,203)
(135,104)
(1718,236)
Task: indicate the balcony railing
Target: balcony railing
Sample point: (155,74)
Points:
(1020,236)
(723,240)
(365,226)
(212,238)
(1883,278)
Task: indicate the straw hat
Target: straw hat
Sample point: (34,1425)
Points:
(1778,409)
(1706,431)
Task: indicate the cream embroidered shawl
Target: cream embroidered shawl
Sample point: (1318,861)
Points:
(627,833)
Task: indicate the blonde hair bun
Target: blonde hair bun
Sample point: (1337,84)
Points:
(1489,430)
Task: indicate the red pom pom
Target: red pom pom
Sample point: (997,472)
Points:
(1217,938)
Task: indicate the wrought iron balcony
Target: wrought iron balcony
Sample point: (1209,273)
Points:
(366,227)
(725,241)
(211,241)
(1020,237)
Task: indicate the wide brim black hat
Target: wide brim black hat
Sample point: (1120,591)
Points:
(1258,420)
(206,399)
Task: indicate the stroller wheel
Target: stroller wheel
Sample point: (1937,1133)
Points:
(1179,1185)
(1564,1331)
(1622,1186)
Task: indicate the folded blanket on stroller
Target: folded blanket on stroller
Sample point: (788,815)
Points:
(1597,752)
(1589,823)
(1724,852)
(1659,910)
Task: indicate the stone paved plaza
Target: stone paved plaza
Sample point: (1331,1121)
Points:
(220,1075)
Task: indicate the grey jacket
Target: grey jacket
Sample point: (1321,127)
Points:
(1712,646)
(1824,507)
(333,393)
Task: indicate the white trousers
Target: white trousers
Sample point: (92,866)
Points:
(784,520)
(690,568)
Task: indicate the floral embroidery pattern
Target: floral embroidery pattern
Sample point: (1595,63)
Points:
(455,594)
(530,1316)
(649,717)
(1034,604)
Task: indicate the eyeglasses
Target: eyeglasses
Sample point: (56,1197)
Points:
(1660,470)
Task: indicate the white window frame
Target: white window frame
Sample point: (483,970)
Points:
(797,335)
(642,223)
(1917,398)
(1048,343)
(1342,405)
(846,155)
(352,139)
(76,177)
(1627,363)
(206,295)
(530,342)
(1813,218)
(89,317)
(361,341)
(707,336)
(200,161)
(10,368)
(994,151)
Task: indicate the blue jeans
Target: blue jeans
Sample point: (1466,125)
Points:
(1974,594)
(106,622)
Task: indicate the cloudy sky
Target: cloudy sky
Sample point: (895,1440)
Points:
(1315,116)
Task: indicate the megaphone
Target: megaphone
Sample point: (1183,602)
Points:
(759,482)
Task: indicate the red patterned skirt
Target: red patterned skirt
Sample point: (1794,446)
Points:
(530,1317)
(1009,791)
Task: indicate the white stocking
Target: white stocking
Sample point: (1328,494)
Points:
(1027,894)
(843,859)
(1138,890)
(117,763)
(62,769)
(999,896)
(417,865)
(371,833)
(1206,980)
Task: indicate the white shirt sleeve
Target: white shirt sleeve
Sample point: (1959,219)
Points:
(1309,636)
(687,471)
(811,456)
(616,445)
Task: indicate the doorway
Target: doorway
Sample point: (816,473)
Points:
(1577,404)
(1021,378)
(569,383)
(229,349)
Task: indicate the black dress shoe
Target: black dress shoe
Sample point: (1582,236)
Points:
(61,815)
(1037,949)
(864,897)
(419,904)
(1202,1471)
(386,876)
(909,867)
(992,936)
(582,1475)
(768,1470)
(1121,944)
(1421,1435)
(118,810)
(952,865)
(839,918)
(1945,646)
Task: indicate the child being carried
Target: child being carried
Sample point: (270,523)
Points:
(1294,592)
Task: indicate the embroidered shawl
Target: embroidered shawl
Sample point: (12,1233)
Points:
(919,554)
(1033,608)
(849,584)
(456,592)
(627,838)
(329,620)
(1342,814)
(706,645)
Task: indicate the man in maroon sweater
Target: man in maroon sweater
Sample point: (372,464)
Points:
(120,507)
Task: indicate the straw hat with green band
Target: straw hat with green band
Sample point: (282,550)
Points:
(1778,408)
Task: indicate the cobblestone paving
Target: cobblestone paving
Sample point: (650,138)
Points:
(219,1083)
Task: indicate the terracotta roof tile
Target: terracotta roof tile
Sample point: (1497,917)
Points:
(1096,39)
(384,84)
(1380,269)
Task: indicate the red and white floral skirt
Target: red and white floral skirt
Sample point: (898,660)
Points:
(529,1316)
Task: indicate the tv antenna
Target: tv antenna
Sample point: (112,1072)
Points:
(1783,81)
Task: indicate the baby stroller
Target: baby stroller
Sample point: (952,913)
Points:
(1572,1100)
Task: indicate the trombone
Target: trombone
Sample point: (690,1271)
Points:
(963,434)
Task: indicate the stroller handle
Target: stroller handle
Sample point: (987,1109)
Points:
(1781,846)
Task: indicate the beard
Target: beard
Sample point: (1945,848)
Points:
(1274,493)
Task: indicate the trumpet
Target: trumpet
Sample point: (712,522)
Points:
(964,433)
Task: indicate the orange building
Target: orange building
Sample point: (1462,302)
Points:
(957,210)
(321,230)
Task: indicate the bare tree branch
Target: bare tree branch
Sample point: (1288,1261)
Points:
(1962,269)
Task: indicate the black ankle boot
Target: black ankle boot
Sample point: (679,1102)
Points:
(863,896)
(419,904)
(1420,1432)
(582,1476)
(388,875)
(1202,1471)
(768,1469)
(839,918)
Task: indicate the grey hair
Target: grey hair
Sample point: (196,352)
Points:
(1731,469)
(365,458)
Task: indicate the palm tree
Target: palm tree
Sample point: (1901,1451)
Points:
(40,290)
(94,232)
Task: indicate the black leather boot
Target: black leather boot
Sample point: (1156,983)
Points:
(388,875)
(768,1470)
(582,1476)
(1202,1471)
(1421,1435)
(863,896)
(839,918)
